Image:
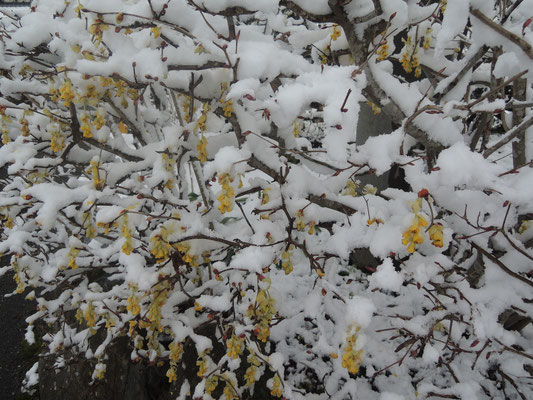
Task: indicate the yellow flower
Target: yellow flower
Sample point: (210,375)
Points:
(351,188)
(352,357)
(122,127)
(277,389)
(263,311)
(160,248)
(229,392)
(66,93)
(296,128)
(427,38)
(383,51)
(335,32)
(57,142)
(443,4)
(202,149)
(176,350)
(211,384)
(72,254)
(156,31)
(228,108)
(265,198)
(133,305)
(24,126)
(311,226)
(171,374)
(235,346)
(90,315)
(286,262)
(99,371)
(436,235)
(98,182)
(300,224)
(201,363)
(412,237)
(227,194)
(251,371)
(127,247)
(202,120)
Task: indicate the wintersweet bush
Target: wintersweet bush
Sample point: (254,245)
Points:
(185,173)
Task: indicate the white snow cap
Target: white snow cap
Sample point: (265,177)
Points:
(359,310)
(386,277)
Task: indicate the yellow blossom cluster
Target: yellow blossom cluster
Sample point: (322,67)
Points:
(352,357)
(412,236)
(383,51)
(203,364)
(351,188)
(172,374)
(262,312)
(71,256)
(250,375)
(202,149)
(202,119)
(227,104)
(99,371)
(227,195)
(57,140)
(443,4)
(6,219)
(427,39)
(66,93)
(99,121)
(409,59)
(94,170)
(156,31)
(235,345)
(159,298)
(160,246)
(277,387)
(24,126)
(301,225)
(436,235)
(90,230)
(85,127)
(211,384)
(227,107)
(133,305)
(185,251)
(90,317)
(186,104)
(229,391)
(168,165)
(5,134)
(176,351)
(286,258)
(336,32)
(296,131)
(127,246)
(18,271)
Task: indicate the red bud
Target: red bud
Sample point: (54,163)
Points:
(423,193)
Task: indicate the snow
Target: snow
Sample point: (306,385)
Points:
(386,277)
(359,310)
(305,257)
(455,19)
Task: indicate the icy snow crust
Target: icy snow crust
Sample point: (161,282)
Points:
(141,203)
